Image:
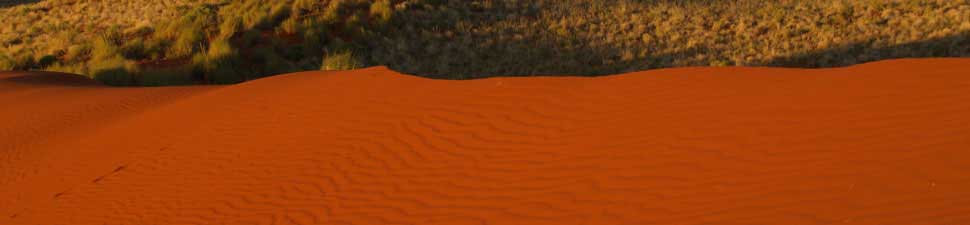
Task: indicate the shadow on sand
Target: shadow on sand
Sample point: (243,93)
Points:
(47,79)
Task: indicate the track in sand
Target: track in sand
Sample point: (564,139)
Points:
(878,143)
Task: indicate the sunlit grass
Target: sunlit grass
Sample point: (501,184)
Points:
(228,41)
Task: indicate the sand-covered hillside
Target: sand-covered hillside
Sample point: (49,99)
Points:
(878,143)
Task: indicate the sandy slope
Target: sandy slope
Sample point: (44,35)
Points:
(879,143)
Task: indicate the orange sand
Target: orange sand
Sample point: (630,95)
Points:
(879,143)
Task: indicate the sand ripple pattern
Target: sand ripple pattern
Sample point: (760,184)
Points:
(879,143)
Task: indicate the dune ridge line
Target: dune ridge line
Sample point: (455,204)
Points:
(878,143)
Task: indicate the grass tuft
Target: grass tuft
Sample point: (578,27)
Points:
(219,63)
(114,71)
(343,60)
(381,12)
(6,63)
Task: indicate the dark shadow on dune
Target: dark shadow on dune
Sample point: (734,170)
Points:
(957,45)
(48,79)
(12,3)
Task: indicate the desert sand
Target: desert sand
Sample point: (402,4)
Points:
(878,143)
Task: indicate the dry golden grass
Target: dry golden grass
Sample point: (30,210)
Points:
(484,38)
(54,25)
(470,38)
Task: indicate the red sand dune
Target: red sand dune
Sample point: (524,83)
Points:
(878,143)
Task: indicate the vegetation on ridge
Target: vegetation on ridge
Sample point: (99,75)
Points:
(169,42)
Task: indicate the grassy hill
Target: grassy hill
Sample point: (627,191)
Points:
(170,42)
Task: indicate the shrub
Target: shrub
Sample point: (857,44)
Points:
(261,55)
(333,11)
(249,38)
(115,71)
(155,48)
(199,17)
(352,22)
(301,7)
(71,68)
(381,12)
(275,65)
(230,26)
(263,14)
(187,42)
(104,48)
(295,52)
(314,34)
(189,31)
(77,53)
(24,62)
(6,63)
(343,60)
(221,48)
(440,38)
(140,30)
(278,11)
(308,63)
(46,60)
(181,75)
(198,66)
(219,63)
(253,19)
(291,25)
(134,49)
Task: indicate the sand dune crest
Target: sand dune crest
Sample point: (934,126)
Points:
(879,143)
